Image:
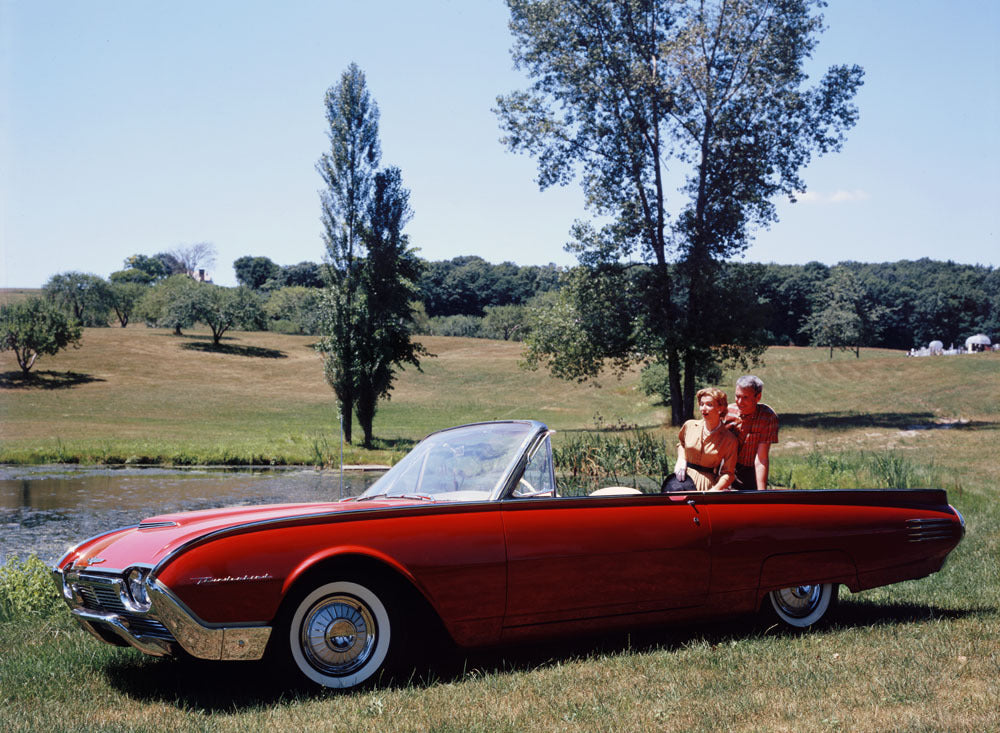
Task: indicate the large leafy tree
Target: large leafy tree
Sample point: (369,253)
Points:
(84,297)
(33,327)
(255,272)
(304,274)
(222,308)
(171,303)
(370,271)
(125,298)
(293,309)
(836,320)
(152,268)
(643,98)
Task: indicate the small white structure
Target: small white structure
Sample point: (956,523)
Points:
(979,342)
(935,347)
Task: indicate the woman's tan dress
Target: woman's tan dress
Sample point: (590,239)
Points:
(708,451)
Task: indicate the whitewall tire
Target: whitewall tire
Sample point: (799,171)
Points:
(801,606)
(340,634)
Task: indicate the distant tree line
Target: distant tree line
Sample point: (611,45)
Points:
(898,305)
(463,296)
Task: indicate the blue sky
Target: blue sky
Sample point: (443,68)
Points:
(137,127)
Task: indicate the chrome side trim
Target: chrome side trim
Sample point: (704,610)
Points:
(203,640)
(929,530)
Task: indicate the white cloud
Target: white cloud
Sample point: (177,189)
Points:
(837,197)
(849,196)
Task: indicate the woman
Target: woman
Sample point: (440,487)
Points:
(706,451)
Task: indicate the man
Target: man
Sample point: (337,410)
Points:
(756,426)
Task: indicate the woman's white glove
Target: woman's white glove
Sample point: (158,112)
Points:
(680,470)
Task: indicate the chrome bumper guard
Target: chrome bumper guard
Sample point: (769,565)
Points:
(189,633)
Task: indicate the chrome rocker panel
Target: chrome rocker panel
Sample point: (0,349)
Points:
(189,633)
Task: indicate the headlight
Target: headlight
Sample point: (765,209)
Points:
(135,582)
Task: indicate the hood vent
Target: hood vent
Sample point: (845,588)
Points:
(154,525)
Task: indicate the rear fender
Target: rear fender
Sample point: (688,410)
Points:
(807,568)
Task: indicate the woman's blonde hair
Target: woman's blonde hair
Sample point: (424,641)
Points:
(718,396)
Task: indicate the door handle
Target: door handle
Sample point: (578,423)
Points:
(691,503)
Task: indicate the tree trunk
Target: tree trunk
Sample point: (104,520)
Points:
(690,386)
(346,410)
(676,394)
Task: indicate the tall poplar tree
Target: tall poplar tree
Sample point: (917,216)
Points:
(371,272)
(685,120)
(348,170)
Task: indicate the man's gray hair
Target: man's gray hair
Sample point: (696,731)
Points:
(750,380)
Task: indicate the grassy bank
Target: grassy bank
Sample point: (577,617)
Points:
(140,395)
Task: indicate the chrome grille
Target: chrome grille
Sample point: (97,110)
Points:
(929,530)
(103,593)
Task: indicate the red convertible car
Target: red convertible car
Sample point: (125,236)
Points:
(470,527)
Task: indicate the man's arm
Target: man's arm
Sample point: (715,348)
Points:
(761,465)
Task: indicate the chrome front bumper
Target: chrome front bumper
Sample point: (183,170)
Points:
(100,605)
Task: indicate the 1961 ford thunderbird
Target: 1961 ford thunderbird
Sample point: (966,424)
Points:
(470,527)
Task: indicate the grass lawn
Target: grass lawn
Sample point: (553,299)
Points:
(146,396)
(917,656)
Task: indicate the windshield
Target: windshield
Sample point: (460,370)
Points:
(461,464)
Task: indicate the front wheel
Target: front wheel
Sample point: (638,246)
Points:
(802,605)
(340,634)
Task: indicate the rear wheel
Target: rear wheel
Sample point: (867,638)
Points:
(801,606)
(341,634)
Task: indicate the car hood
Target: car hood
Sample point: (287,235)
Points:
(157,536)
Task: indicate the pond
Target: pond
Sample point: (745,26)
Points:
(46,509)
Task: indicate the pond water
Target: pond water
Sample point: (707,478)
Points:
(46,509)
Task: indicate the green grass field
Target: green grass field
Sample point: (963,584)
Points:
(142,395)
(917,656)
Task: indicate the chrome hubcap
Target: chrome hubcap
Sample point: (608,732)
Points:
(338,634)
(798,601)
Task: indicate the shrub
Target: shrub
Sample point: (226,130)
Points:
(654,381)
(293,310)
(467,326)
(26,589)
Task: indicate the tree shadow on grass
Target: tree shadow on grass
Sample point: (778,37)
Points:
(211,687)
(614,429)
(891,420)
(45,380)
(393,444)
(258,352)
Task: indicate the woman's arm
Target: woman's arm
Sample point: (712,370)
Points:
(680,468)
(727,467)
